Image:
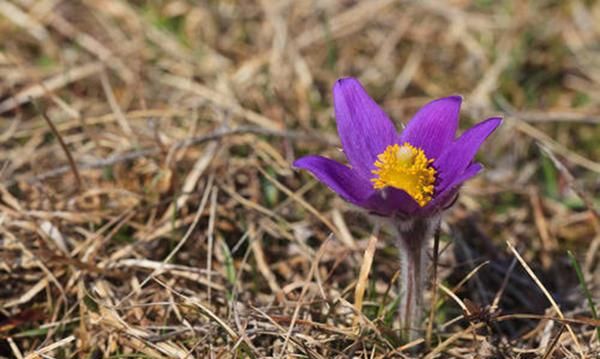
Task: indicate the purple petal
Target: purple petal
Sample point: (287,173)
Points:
(442,198)
(339,178)
(391,200)
(459,155)
(364,129)
(434,126)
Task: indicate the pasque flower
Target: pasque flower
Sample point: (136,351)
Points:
(406,178)
(416,172)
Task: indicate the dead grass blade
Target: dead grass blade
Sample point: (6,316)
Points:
(218,99)
(182,119)
(363,278)
(311,273)
(548,296)
(302,202)
(48,348)
(64,147)
(35,91)
(261,262)
(456,336)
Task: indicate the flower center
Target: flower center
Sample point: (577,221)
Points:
(407,168)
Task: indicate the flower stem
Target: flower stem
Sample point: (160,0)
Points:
(434,287)
(413,239)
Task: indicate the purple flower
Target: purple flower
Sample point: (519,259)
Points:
(416,172)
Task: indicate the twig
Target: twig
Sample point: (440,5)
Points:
(552,345)
(40,352)
(210,232)
(151,151)
(179,245)
(313,268)
(34,91)
(573,321)
(547,294)
(63,145)
(500,292)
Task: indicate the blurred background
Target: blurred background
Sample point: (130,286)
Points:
(148,207)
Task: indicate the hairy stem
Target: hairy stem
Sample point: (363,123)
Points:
(413,240)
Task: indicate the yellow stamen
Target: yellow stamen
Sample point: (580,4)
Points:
(406,167)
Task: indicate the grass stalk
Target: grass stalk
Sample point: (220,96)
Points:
(586,290)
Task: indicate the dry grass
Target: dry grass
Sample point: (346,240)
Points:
(180,230)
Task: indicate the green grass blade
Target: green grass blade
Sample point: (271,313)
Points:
(585,289)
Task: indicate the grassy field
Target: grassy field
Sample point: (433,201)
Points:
(148,207)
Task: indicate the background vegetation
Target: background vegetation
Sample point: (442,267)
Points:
(148,207)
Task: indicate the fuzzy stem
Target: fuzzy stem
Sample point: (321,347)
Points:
(413,239)
(434,287)
(411,285)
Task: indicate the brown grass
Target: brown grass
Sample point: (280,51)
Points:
(180,230)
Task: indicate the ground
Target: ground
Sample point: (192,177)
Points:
(148,207)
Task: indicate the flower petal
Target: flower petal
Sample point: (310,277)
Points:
(390,201)
(339,178)
(447,194)
(364,128)
(459,155)
(434,126)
